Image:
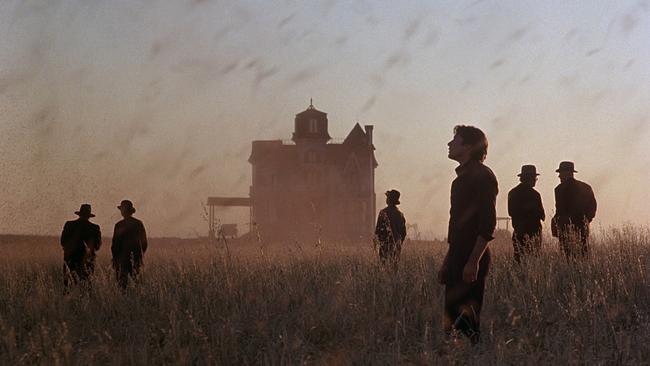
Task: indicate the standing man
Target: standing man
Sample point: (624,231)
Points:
(80,240)
(527,212)
(129,245)
(471,225)
(391,229)
(575,208)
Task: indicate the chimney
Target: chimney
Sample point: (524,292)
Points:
(369,133)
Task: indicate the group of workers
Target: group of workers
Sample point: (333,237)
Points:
(472,222)
(81,238)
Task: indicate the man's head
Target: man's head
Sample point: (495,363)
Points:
(528,175)
(126,208)
(566,171)
(469,143)
(392,197)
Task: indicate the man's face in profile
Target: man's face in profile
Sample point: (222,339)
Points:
(532,182)
(565,175)
(456,148)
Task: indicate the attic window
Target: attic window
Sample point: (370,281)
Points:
(313,126)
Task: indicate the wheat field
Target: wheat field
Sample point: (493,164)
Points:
(250,303)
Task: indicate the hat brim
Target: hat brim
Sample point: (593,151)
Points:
(566,170)
(528,175)
(78,213)
(132,208)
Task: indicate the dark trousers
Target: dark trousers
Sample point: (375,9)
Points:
(77,267)
(526,243)
(574,240)
(463,302)
(127,264)
(389,251)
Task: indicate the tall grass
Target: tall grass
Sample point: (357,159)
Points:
(199,304)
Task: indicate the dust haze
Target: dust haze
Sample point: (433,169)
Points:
(158,102)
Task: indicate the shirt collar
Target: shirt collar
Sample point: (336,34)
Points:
(467,166)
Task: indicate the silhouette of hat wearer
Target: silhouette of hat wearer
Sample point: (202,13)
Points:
(528,171)
(393,196)
(84,211)
(566,166)
(127,205)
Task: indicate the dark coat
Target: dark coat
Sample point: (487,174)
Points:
(391,225)
(526,209)
(129,237)
(575,204)
(79,237)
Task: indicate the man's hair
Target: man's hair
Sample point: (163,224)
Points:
(474,137)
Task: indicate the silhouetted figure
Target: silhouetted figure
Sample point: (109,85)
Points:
(575,208)
(471,225)
(129,245)
(390,231)
(527,212)
(80,240)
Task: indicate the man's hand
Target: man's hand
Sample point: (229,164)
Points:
(470,272)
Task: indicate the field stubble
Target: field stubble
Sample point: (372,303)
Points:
(333,304)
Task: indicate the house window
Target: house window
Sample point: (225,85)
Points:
(312,157)
(313,126)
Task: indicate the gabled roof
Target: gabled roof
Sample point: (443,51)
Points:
(356,137)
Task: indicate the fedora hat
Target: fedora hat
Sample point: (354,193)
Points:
(126,204)
(84,211)
(527,171)
(393,196)
(566,166)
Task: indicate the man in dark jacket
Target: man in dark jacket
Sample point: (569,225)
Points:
(472,221)
(390,231)
(129,245)
(527,212)
(80,240)
(575,208)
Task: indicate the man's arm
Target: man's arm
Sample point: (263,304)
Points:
(540,207)
(488,190)
(470,272)
(593,205)
(559,202)
(487,212)
(115,244)
(65,234)
(143,238)
(380,227)
(97,237)
(512,206)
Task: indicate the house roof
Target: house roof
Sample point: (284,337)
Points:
(277,152)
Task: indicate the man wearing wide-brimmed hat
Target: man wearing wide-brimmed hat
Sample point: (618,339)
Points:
(129,245)
(527,213)
(575,208)
(80,240)
(390,231)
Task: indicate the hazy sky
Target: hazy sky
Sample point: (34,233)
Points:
(157,101)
